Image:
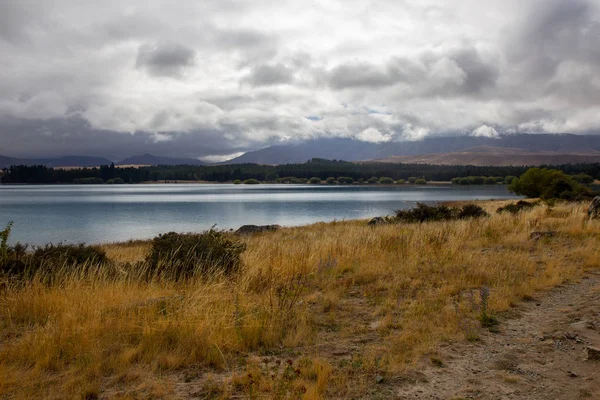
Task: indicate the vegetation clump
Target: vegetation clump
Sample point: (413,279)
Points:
(515,208)
(179,256)
(425,213)
(345,180)
(386,181)
(549,184)
(251,182)
(46,261)
(314,180)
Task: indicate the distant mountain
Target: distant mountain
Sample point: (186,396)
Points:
(497,156)
(66,161)
(149,159)
(353,150)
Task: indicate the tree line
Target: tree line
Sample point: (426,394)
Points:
(316,168)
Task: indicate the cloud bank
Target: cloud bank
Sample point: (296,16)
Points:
(207,79)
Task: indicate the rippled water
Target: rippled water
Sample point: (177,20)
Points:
(107,213)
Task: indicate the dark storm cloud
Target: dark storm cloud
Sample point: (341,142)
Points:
(555,32)
(165,59)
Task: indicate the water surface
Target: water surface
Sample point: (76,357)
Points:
(107,213)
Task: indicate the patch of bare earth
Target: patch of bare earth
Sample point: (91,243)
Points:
(540,352)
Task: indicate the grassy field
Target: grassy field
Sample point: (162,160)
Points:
(331,310)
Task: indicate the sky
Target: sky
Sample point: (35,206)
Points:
(211,79)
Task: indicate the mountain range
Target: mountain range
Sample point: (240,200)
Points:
(87,161)
(352,150)
(516,149)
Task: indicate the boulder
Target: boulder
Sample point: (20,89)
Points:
(377,221)
(252,229)
(594,210)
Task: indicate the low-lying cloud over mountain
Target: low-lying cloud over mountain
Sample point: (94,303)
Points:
(212,78)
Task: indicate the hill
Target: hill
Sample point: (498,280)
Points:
(497,156)
(353,150)
(66,161)
(149,159)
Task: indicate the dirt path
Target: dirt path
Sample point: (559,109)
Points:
(539,353)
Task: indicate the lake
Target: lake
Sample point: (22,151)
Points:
(107,213)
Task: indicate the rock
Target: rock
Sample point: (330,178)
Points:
(593,353)
(379,379)
(252,229)
(377,221)
(572,374)
(594,210)
(542,234)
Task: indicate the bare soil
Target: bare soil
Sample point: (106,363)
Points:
(540,352)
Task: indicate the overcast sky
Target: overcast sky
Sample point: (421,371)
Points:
(201,78)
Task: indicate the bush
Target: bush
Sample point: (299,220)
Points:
(314,180)
(251,182)
(386,181)
(472,211)
(412,180)
(509,179)
(178,256)
(49,259)
(515,208)
(115,181)
(237,182)
(88,181)
(345,180)
(400,181)
(420,181)
(331,180)
(424,213)
(583,179)
(549,184)
(372,180)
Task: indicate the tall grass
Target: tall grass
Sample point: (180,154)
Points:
(298,289)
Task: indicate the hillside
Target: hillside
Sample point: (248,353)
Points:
(353,150)
(149,159)
(498,156)
(66,161)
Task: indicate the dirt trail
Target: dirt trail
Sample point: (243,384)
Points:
(539,353)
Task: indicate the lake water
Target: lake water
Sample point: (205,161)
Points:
(105,213)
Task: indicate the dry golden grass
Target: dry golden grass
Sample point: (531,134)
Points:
(318,311)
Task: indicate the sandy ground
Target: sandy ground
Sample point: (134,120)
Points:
(540,352)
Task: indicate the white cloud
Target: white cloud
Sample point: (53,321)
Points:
(485,131)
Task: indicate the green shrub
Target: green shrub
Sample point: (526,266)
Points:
(331,180)
(424,213)
(515,208)
(372,180)
(509,179)
(420,181)
(179,256)
(251,182)
(400,182)
(88,181)
(549,184)
(115,181)
(237,182)
(472,211)
(412,180)
(53,256)
(314,180)
(583,179)
(386,181)
(345,180)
